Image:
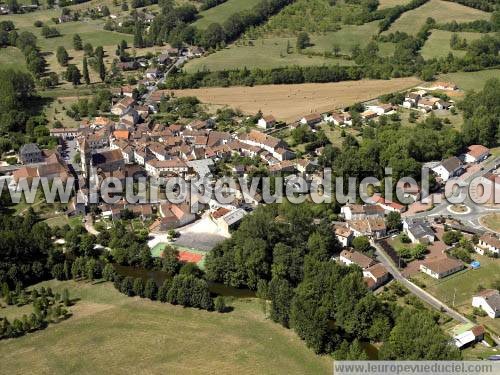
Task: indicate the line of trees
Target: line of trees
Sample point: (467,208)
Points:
(486,5)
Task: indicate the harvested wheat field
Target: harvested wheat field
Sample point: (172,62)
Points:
(289,102)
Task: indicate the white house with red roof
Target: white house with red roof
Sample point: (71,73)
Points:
(476,154)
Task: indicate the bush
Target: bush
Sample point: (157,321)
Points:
(220,304)
(38,23)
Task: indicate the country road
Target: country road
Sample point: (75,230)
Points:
(419,292)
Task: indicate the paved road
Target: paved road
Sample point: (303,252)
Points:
(419,292)
(89,225)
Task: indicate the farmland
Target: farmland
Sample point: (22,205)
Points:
(111,328)
(222,12)
(442,11)
(384,4)
(288,102)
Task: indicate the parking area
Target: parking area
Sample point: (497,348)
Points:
(202,235)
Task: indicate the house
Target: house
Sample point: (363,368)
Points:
(164,59)
(160,168)
(65,133)
(173,52)
(360,212)
(375,276)
(408,189)
(52,167)
(448,168)
(476,154)
(488,243)
(412,99)
(440,268)
(349,257)
(275,146)
(312,120)
(266,122)
(489,301)
(368,115)
(419,231)
(123,106)
(426,105)
(343,234)
(339,119)
(448,86)
(153,73)
(128,66)
(121,134)
(387,205)
(108,161)
(30,153)
(231,220)
(466,334)
(381,109)
(172,216)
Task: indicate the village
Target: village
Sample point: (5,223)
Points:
(128,143)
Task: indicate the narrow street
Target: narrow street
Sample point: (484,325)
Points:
(419,292)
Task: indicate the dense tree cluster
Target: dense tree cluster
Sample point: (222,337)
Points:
(286,256)
(486,5)
(481,113)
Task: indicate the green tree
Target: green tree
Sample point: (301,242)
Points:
(303,40)
(150,290)
(85,71)
(220,304)
(361,243)
(416,336)
(77,42)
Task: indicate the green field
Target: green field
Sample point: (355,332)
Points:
(348,37)
(442,11)
(384,4)
(271,51)
(471,80)
(264,53)
(438,44)
(113,334)
(492,221)
(12,58)
(222,12)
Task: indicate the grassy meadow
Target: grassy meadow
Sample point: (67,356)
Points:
(111,333)
(12,58)
(222,12)
(384,4)
(442,11)
(471,80)
(438,44)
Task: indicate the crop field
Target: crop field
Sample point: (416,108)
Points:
(289,102)
(438,44)
(115,334)
(442,11)
(222,12)
(471,80)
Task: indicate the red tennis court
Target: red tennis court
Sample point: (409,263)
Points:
(188,257)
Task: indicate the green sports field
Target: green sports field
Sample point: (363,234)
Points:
(113,334)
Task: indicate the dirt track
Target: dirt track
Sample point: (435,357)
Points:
(289,102)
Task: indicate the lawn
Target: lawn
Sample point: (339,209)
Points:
(438,44)
(111,333)
(334,134)
(465,283)
(222,12)
(62,220)
(492,221)
(471,80)
(442,11)
(56,111)
(460,287)
(12,58)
